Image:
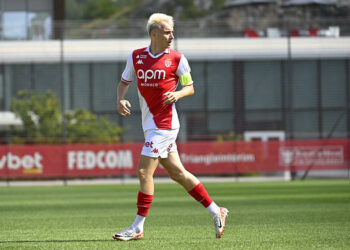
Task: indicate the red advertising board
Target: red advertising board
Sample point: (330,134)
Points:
(31,161)
(101,160)
(48,161)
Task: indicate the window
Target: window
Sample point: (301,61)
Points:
(304,77)
(196,126)
(220,122)
(39,25)
(105,77)
(26,19)
(80,77)
(133,126)
(305,125)
(2,94)
(220,85)
(262,81)
(335,122)
(195,102)
(333,83)
(263,120)
(14,25)
(19,77)
(48,77)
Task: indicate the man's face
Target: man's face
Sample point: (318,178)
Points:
(164,36)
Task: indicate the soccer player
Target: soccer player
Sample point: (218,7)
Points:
(158,70)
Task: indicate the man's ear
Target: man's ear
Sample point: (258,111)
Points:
(153,32)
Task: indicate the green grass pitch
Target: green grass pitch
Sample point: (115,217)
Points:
(314,214)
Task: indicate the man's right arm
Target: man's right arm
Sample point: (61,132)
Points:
(123,86)
(123,105)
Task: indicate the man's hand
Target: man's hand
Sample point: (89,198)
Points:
(171,97)
(123,107)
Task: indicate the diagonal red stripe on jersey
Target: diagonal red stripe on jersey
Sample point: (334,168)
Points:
(156,76)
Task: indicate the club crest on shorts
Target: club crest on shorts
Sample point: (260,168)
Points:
(167,62)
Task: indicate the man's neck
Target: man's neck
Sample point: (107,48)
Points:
(155,50)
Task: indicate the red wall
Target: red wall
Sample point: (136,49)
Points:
(47,161)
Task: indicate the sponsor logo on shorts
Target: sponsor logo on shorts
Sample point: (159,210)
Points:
(169,147)
(149,144)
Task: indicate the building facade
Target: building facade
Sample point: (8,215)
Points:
(299,86)
(30,19)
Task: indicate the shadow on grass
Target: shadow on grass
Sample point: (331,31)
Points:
(49,241)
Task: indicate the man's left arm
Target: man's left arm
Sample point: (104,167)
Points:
(171,97)
(185,78)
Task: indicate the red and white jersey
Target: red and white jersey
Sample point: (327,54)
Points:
(157,75)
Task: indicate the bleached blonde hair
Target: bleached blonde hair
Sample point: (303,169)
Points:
(155,21)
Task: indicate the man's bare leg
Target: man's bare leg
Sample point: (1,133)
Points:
(177,172)
(194,187)
(145,170)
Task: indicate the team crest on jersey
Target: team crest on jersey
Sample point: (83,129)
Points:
(167,62)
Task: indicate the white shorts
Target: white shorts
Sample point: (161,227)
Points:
(159,142)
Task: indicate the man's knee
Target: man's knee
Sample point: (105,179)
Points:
(144,175)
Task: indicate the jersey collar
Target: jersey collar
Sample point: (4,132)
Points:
(166,51)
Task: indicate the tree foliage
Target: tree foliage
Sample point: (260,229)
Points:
(85,127)
(130,9)
(74,9)
(43,122)
(91,9)
(40,115)
(191,10)
(99,9)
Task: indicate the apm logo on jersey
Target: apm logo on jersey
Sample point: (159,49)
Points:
(151,74)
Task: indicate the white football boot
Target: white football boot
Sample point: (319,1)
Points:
(128,234)
(219,221)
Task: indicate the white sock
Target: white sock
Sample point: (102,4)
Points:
(213,209)
(138,223)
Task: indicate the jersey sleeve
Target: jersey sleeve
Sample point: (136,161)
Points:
(184,72)
(129,71)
